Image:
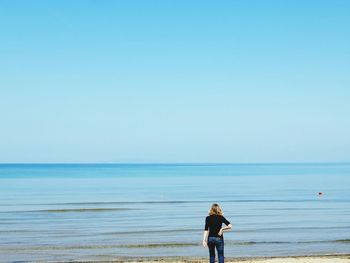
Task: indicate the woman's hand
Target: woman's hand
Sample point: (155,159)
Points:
(220,232)
(204,243)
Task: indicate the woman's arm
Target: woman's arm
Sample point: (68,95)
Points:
(229,227)
(205,238)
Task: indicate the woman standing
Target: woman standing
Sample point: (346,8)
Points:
(213,222)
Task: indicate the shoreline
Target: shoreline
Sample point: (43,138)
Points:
(328,258)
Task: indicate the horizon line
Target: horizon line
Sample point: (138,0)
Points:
(166,163)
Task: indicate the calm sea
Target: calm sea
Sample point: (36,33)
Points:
(102,211)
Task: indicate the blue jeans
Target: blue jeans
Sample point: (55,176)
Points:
(218,243)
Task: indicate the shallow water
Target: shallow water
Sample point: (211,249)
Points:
(63,212)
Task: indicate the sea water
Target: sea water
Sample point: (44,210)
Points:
(104,211)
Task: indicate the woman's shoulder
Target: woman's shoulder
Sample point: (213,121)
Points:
(211,216)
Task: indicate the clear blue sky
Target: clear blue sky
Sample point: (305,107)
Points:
(175,81)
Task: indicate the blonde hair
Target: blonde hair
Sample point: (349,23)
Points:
(215,210)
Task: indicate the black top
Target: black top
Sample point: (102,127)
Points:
(214,223)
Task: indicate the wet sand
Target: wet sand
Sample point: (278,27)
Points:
(290,259)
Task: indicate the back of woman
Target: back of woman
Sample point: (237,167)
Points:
(215,238)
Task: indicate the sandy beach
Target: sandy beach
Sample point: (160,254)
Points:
(290,259)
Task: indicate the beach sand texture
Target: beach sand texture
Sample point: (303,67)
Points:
(297,259)
(275,260)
